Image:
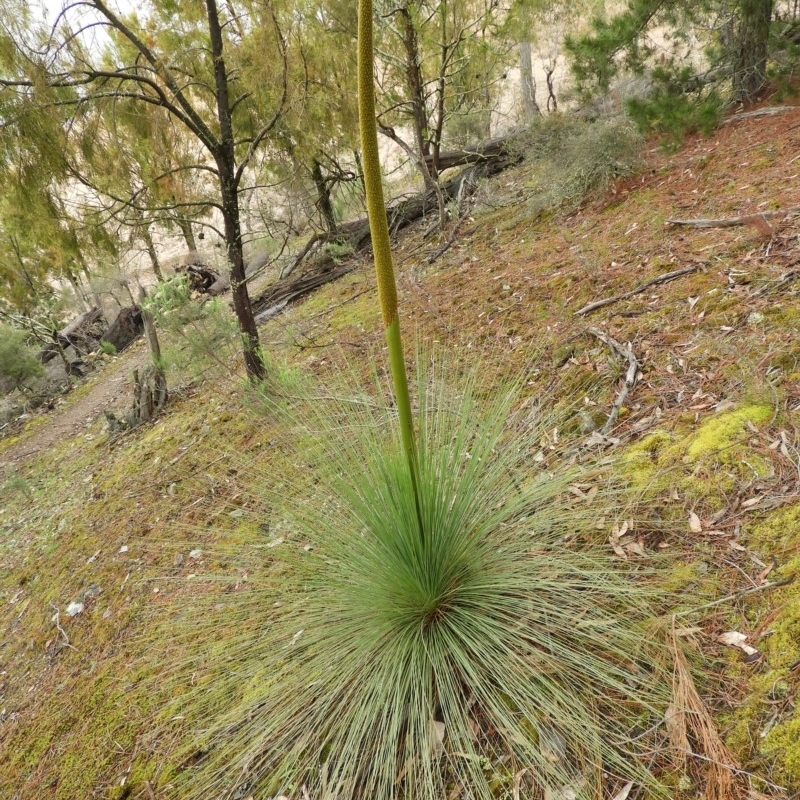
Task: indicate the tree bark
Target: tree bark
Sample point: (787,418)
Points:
(750,48)
(188,234)
(323,197)
(530,108)
(226,166)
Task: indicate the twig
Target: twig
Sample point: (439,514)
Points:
(149,787)
(57,621)
(759,112)
(450,239)
(630,375)
(732,222)
(738,595)
(665,278)
(784,280)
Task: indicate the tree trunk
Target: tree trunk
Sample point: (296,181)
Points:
(149,395)
(750,48)
(151,251)
(150,388)
(419,111)
(530,108)
(226,166)
(323,198)
(188,234)
(80,294)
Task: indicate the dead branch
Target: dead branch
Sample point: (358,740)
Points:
(273,302)
(665,278)
(759,112)
(465,192)
(739,595)
(57,622)
(630,375)
(784,280)
(756,220)
(309,245)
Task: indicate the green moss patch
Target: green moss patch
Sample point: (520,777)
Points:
(706,462)
(766,728)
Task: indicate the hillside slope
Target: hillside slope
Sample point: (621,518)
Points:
(708,436)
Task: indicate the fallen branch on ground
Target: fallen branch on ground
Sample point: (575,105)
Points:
(739,595)
(630,375)
(272,303)
(355,235)
(756,220)
(665,278)
(759,112)
(784,280)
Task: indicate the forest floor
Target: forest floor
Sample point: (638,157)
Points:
(708,434)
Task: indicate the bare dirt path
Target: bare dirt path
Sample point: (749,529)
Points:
(110,390)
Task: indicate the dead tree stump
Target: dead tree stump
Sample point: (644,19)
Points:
(149,394)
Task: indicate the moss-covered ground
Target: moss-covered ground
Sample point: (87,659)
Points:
(707,439)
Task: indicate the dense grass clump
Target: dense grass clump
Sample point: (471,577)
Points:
(492,645)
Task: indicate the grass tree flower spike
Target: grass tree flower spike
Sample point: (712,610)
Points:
(379,230)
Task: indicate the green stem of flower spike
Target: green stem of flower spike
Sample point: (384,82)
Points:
(379,229)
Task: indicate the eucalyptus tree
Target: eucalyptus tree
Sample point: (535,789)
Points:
(217,74)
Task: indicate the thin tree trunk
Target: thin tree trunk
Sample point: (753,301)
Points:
(750,55)
(552,100)
(98,302)
(360,171)
(80,294)
(188,234)
(226,165)
(323,197)
(530,108)
(419,112)
(151,251)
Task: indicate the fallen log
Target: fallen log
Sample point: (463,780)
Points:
(82,333)
(354,236)
(483,151)
(125,329)
(758,220)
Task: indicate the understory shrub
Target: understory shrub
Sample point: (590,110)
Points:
(18,362)
(571,157)
(199,335)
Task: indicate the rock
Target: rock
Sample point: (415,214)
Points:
(91,592)
(74,608)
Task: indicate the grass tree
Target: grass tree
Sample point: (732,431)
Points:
(430,617)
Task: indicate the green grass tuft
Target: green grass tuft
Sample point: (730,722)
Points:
(368,659)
